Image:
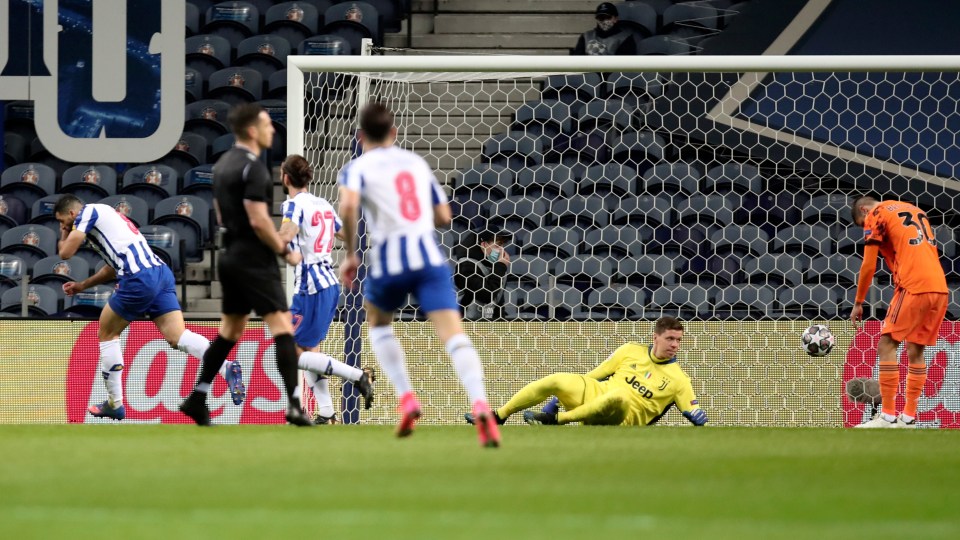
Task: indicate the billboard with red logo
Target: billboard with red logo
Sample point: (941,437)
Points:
(939,404)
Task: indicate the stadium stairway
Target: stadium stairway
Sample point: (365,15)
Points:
(522,26)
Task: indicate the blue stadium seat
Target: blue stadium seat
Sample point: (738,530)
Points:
(265,53)
(29,242)
(616,303)
(813,240)
(236,85)
(615,241)
(165,242)
(40,154)
(638,17)
(513,150)
(725,271)
(233,21)
(12,212)
(220,145)
(605,114)
(90,183)
(193,85)
(633,86)
(354,22)
(325,45)
(19,120)
(293,21)
(192,19)
(190,151)
(42,213)
(735,177)
(207,118)
(277,85)
(190,217)
(391,13)
(515,213)
(582,272)
(552,242)
(574,88)
(776,270)
(611,179)
(28,182)
(152,183)
(744,302)
(41,301)
(494,181)
(638,148)
(199,182)
(741,241)
(53,270)
(828,209)
(676,177)
(207,54)
(589,148)
(647,271)
(12,269)
(833,270)
(688,241)
(131,206)
(548,117)
(809,302)
(546,181)
(89,303)
(782,208)
(14,149)
(682,301)
(663,46)
(528,271)
(644,210)
(706,209)
(579,211)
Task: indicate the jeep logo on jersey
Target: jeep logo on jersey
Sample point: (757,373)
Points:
(641,389)
(106,78)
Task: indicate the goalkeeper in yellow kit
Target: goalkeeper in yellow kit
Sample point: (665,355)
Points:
(635,386)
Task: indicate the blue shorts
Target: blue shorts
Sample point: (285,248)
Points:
(432,287)
(151,291)
(312,315)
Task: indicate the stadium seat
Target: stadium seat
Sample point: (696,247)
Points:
(233,21)
(740,241)
(354,22)
(165,242)
(325,45)
(207,118)
(616,241)
(676,177)
(688,241)
(390,14)
(532,304)
(706,209)
(89,183)
(277,85)
(725,271)
(548,117)
(266,54)
(833,270)
(236,85)
(744,302)
(545,181)
(515,213)
(513,150)
(89,303)
(644,210)
(292,21)
(611,179)
(207,54)
(605,114)
(633,86)
(12,269)
(42,213)
(193,85)
(782,208)
(695,15)
(582,212)
(663,45)
(735,177)
(190,217)
(190,151)
(812,240)
(589,148)
(131,206)
(199,182)
(809,302)
(583,273)
(52,270)
(639,149)
(28,182)
(850,240)
(828,209)
(12,212)
(574,88)
(568,303)
(647,271)
(14,149)
(29,242)
(494,181)
(41,301)
(944,237)
(152,183)
(39,154)
(776,270)
(220,145)
(638,17)
(682,301)
(192,19)
(550,242)
(528,271)
(19,120)
(616,303)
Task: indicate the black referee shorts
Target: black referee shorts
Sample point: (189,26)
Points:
(248,289)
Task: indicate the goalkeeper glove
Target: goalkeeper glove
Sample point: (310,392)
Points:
(696,417)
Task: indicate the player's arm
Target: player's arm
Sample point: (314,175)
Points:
(442,215)
(72,237)
(609,366)
(288,226)
(349,211)
(867,269)
(687,402)
(103,275)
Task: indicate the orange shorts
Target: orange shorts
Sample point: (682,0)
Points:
(915,318)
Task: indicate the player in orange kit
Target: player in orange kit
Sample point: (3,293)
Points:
(901,233)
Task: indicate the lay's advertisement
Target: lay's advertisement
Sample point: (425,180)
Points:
(744,373)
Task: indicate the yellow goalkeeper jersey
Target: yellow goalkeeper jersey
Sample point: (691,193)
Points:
(654,384)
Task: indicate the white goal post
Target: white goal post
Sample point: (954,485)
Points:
(709,187)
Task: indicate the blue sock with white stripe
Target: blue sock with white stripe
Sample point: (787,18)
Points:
(324,364)
(391,358)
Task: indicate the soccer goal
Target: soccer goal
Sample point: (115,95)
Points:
(715,189)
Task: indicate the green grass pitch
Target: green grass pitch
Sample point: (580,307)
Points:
(135,481)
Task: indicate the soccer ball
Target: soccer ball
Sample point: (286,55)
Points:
(817,340)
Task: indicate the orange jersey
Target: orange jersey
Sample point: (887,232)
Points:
(908,245)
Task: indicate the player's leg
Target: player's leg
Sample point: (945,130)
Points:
(232,326)
(608,409)
(392,360)
(281,327)
(930,311)
(571,389)
(325,413)
(111,364)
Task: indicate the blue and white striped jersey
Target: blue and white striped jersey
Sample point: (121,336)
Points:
(116,239)
(397,192)
(318,223)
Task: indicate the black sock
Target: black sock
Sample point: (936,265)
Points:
(287,362)
(214,357)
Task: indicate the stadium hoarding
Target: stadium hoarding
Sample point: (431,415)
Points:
(745,373)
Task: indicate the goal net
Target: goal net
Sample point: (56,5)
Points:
(715,189)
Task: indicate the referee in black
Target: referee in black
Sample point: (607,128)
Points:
(243,197)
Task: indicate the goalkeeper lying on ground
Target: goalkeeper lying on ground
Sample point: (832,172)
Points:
(642,383)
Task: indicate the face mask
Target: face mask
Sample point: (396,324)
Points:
(605,25)
(494,255)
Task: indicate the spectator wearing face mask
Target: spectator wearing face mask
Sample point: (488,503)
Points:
(479,274)
(608,38)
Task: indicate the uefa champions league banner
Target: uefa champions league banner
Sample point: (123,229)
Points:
(939,405)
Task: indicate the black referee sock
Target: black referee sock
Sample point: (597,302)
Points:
(213,359)
(287,362)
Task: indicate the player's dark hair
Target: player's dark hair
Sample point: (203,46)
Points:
(65,203)
(298,169)
(376,121)
(243,116)
(855,205)
(667,323)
